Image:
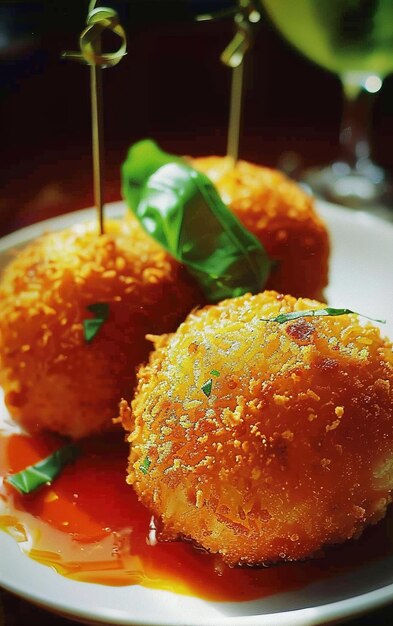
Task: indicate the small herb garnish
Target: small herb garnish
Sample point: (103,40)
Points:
(92,326)
(207,387)
(45,471)
(144,467)
(214,373)
(328,311)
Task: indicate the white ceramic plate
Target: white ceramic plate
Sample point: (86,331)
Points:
(361,278)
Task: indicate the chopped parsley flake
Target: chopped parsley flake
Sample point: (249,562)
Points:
(214,372)
(207,387)
(144,467)
(92,326)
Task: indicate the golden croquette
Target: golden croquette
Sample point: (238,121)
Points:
(282,216)
(264,441)
(52,378)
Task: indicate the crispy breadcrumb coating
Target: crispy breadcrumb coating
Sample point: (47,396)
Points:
(52,378)
(264,441)
(282,216)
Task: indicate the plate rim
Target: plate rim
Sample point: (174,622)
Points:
(115,209)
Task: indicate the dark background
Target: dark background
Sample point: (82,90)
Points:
(171,86)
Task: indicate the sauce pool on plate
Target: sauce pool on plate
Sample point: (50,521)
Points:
(89,526)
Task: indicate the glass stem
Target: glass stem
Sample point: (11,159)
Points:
(355,125)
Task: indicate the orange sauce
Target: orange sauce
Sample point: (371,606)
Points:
(89,526)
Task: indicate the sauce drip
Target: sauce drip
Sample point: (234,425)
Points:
(89,526)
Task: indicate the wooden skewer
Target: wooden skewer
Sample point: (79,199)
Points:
(98,20)
(234,57)
(235,112)
(97,141)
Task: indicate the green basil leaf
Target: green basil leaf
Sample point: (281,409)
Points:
(92,326)
(45,471)
(328,311)
(143,159)
(182,210)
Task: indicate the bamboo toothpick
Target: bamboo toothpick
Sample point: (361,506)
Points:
(234,57)
(98,19)
(97,141)
(245,15)
(235,112)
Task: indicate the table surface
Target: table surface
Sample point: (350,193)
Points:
(171,86)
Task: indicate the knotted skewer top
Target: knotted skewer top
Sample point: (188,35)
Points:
(98,20)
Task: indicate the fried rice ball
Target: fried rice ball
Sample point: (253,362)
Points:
(282,216)
(52,377)
(264,441)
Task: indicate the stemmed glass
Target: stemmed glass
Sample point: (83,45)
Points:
(354,39)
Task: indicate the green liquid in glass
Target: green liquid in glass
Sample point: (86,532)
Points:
(341,35)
